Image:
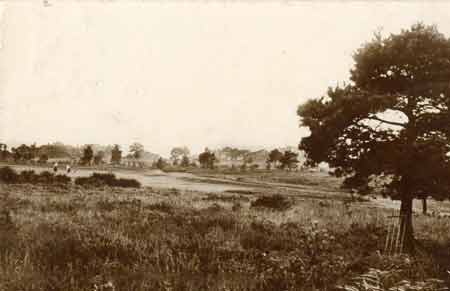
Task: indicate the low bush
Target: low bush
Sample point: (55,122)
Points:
(131,183)
(10,176)
(45,177)
(28,177)
(274,202)
(244,192)
(107,178)
(110,205)
(89,181)
(100,179)
(62,179)
(236,206)
(161,206)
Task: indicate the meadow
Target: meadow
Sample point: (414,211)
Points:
(72,237)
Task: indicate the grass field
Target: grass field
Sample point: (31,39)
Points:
(75,238)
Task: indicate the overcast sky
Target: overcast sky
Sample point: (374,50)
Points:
(189,73)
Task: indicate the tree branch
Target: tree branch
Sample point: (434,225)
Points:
(386,121)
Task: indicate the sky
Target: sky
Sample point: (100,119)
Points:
(200,74)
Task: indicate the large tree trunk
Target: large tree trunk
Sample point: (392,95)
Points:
(406,226)
(424,205)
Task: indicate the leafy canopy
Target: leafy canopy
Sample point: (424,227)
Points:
(393,119)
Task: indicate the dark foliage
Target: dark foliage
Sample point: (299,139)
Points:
(88,155)
(116,155)
(160,164)
(207,159)
(10,176)
(100,179)
(274,202)
(392,123)
(288,160)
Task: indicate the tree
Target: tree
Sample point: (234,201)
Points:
(137,150)
(60,150)
(24,152)
(254,167)
(160,164)
(17,155)
(4,153)
(274,157)
(88,155)
(185,161)
(392,122)
(235,153)
(207,159)
(177,153)
(116,155)
(43,158)
(288,160)
(98,158)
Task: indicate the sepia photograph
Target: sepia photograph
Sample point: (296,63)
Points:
(224,145)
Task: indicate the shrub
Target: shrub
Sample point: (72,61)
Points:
(8,175)
(131,183)
(45,177)
(236,206)
(89,181)
(100,179)
(243,192)
(215,208)
(108,179)
(62,179)
(161,206)
(28,177)
(274,202)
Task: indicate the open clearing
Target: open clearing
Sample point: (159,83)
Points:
(164,236)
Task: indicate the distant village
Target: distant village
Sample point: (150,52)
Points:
(289,158)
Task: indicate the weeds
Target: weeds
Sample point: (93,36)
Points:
(161,206)
(139,240)
(225,198)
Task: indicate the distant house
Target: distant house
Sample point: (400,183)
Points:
(147,160)
(257,158)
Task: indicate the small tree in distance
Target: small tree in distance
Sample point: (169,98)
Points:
(274,157)
(207,159)
(177,153)
(136,150)
(160,164)
(116,155)
(88,155)
(98,157)
(185,162)
(288,160)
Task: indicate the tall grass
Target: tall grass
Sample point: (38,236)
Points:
(143,239)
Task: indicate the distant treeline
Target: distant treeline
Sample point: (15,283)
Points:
(180,157)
